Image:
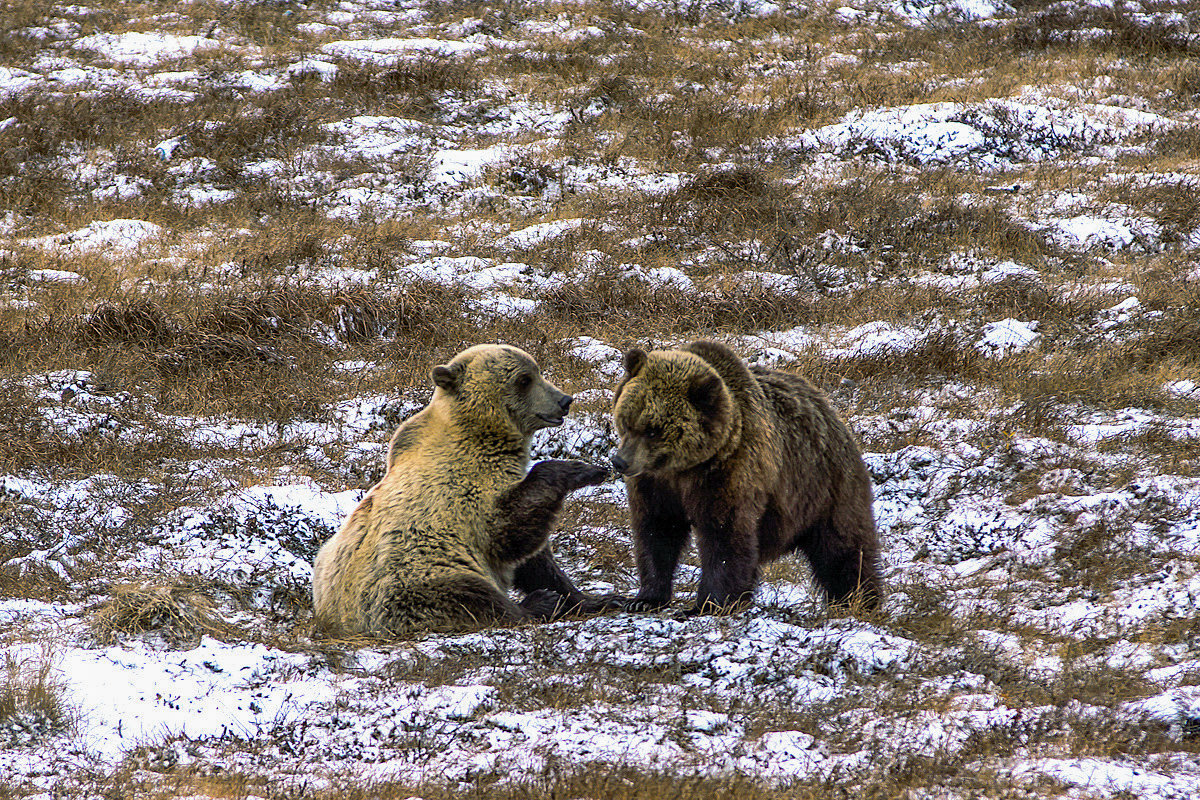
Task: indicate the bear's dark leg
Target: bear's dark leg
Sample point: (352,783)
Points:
(844,562)
(728,564)
(660,530)
(451,604)
(541,571)
(525,513)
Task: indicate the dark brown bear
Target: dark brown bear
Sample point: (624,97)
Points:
(756,461)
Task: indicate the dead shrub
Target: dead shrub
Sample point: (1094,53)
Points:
(1175,206)
(46,125)
(1017,295)
(30,442)
(1181,142)
(268,125)
(265,315)
(942,354)
(1184,82)
(528,177)
(411,88)
(748,309)
(32,707)
(1112,28)
(138,322)
(47,128)
(179,614)
(727,200)
(617,91)
(609,299)
(1173,338)
(208,352)
(280,247)
(951,225)
(1099,555)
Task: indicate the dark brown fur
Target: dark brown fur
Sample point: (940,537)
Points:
(754,460)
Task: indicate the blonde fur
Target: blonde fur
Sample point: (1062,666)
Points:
(434,544)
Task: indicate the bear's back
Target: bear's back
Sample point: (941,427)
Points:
(432,507)
(426,520)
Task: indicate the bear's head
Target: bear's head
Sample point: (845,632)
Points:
(499,387)
(672,411)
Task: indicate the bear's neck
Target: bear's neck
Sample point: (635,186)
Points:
(490,437)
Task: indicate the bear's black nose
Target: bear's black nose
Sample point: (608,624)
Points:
(565,402)
(620,464)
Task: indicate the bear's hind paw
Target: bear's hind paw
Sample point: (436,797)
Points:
(544,604)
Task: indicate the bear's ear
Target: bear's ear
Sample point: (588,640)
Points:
(705,394)
(447,376)
(633,361)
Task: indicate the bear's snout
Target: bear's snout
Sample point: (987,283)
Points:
(564,402)
(620,464)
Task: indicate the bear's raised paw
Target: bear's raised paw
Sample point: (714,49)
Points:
(567,476)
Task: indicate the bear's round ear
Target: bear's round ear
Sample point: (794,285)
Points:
(446,376)
(633,361)
(705,394)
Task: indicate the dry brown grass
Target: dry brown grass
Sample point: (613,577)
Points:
(416,88)
(32,706)
(1116,29)
(181,615)
(593,783)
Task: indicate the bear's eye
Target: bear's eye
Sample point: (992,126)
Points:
(524,381)
(653,433)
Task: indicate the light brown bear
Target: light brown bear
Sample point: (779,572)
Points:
(456,521)
(754,460)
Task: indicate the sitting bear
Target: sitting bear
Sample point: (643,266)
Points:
(756,461)
(456,521)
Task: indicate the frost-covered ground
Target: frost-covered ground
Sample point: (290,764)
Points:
(1042,544)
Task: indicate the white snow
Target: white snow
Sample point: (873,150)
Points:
(322,70)
(880,338)
(1087,231)
(388,51)
(14,81)
(145,49)
(456,167)
(991,135)
(130,695)
(115,238)
(1008,336)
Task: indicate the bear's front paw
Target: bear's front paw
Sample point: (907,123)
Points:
(641,604)
(568,475)
(544,604)
(585,474)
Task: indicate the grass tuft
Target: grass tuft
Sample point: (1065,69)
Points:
(179,614)
(32,706)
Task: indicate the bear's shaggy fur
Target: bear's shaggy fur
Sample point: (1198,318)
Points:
(756,461)
(456,521)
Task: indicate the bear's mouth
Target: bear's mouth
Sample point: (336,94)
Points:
(551,420)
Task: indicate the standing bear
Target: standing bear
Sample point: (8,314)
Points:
(756,461)
(456,521)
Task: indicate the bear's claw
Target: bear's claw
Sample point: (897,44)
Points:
(642,604)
